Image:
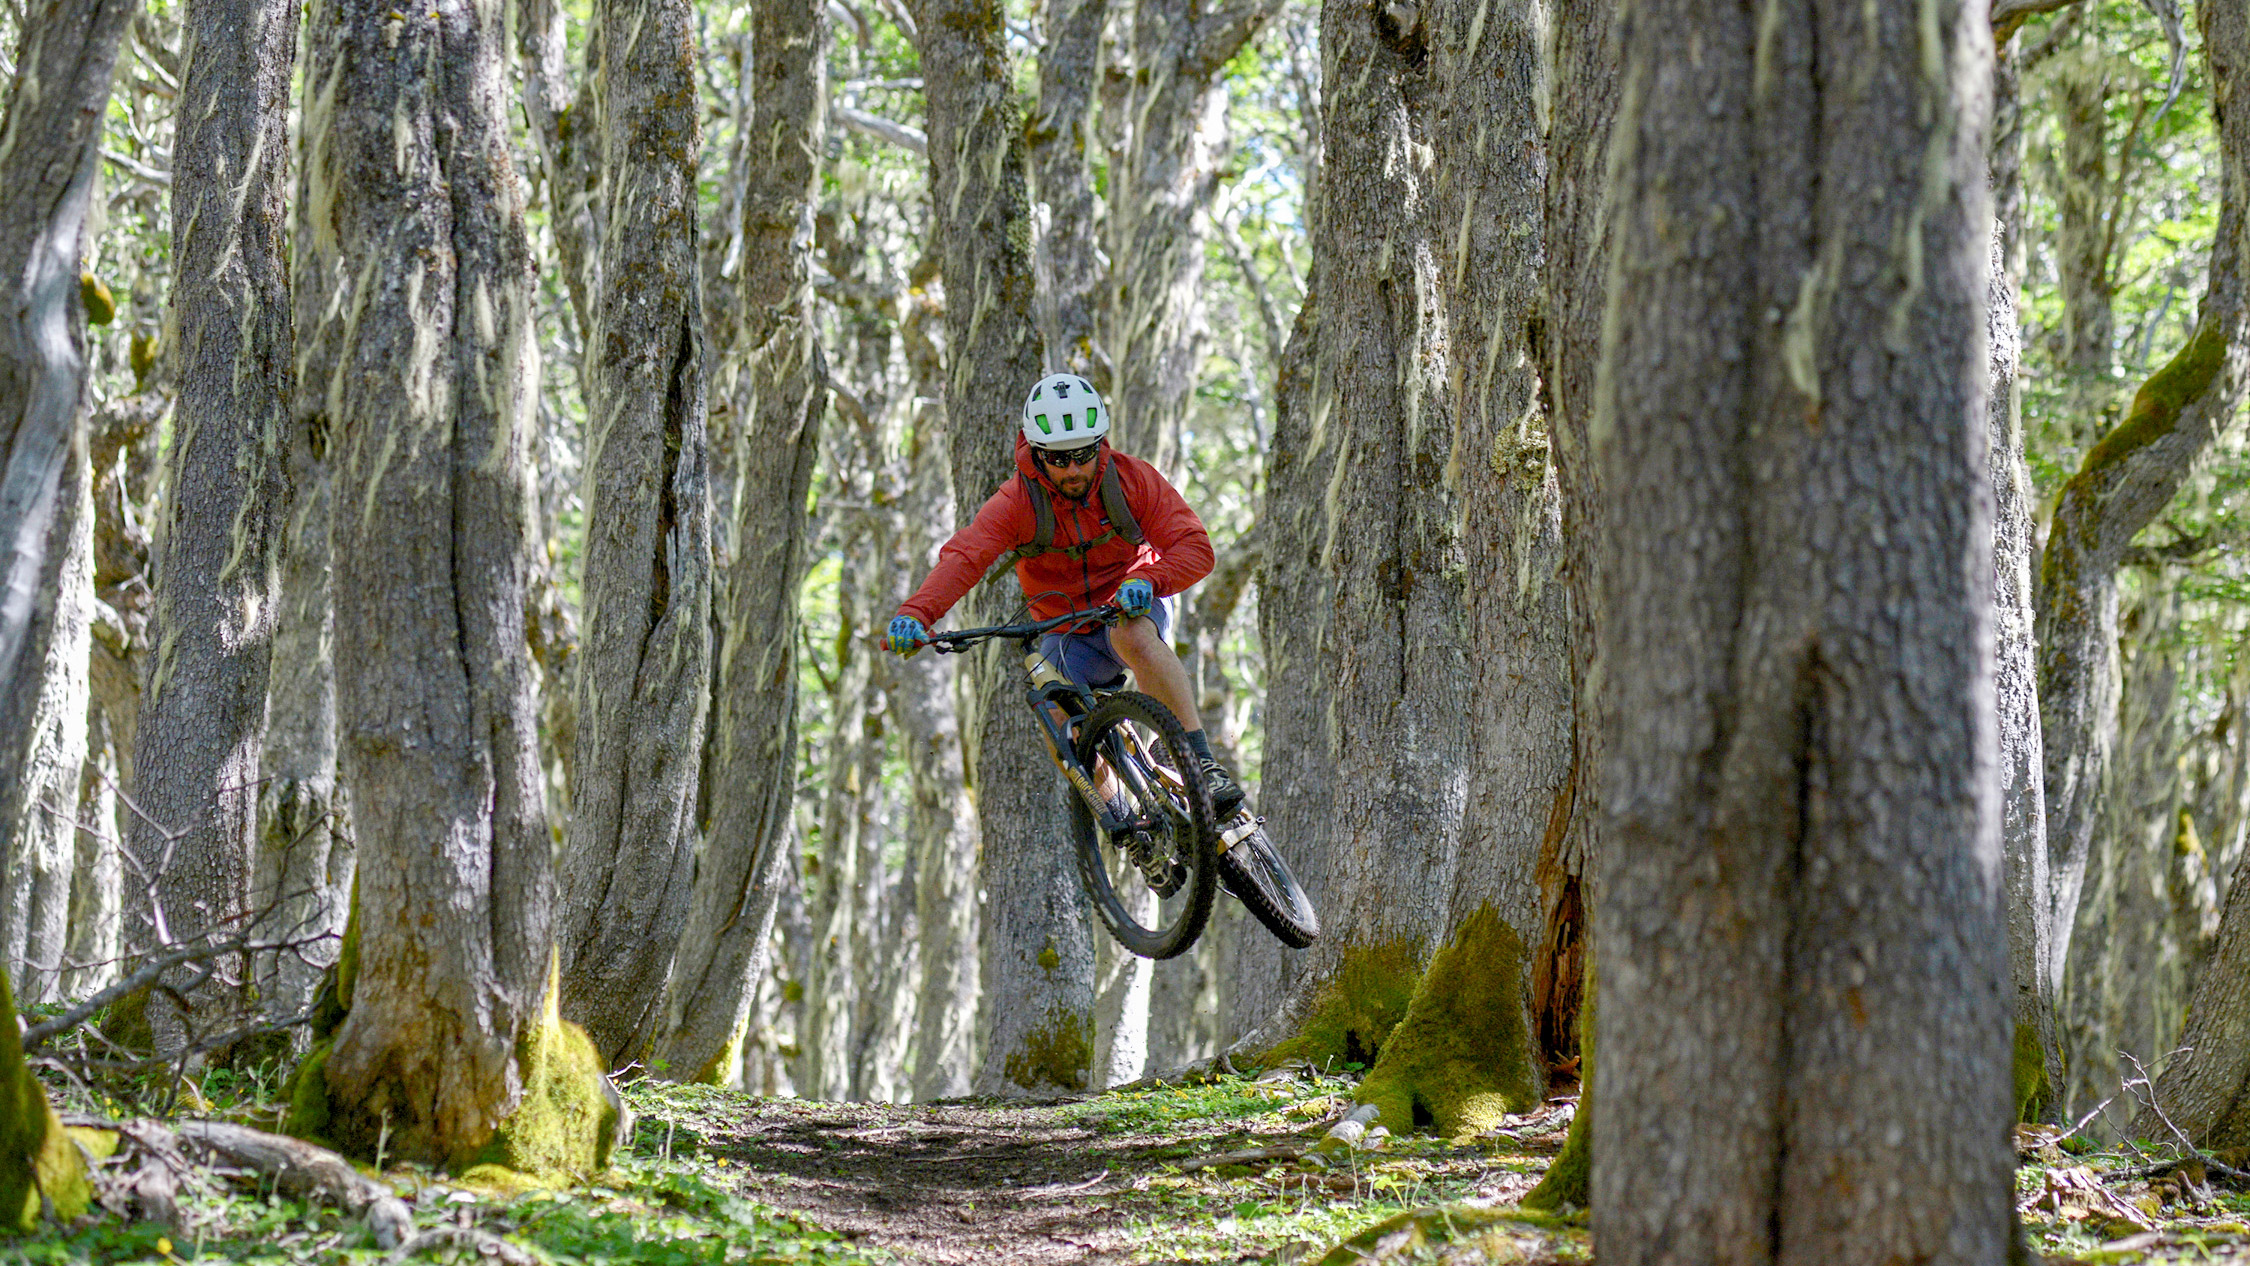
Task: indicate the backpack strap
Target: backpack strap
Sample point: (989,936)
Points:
(1121,520)
(1042,531)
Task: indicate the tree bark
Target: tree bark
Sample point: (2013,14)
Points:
(776,391)
(2125,481)
(304,860)
(1060,140)
(1798,905)
(434,695)
(643,673)
(1170,124)
(40,858)
(2202,1092)
(2023,830)
(1038,953)
(943,815)
(203,713)
(49,140)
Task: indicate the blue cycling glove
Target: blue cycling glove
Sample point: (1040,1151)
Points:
(907,635)
(1134,596)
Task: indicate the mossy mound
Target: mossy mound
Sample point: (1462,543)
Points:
(306,1093)
(1461,1058)
(41,1170)
(2031,1074)
(1055,1055)
(566,1124)
(1364,999)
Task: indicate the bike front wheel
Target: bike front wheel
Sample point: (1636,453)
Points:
(1151,885)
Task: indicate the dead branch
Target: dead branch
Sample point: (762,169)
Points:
(303,1170)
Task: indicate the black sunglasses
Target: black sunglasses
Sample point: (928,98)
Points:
(1072,457)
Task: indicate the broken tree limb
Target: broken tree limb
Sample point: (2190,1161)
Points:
(299,1168)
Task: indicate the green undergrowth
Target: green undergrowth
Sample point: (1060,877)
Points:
(1221,1098)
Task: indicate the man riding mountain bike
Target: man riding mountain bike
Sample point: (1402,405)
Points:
(1084,525)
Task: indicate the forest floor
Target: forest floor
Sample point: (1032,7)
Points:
(1200,1174)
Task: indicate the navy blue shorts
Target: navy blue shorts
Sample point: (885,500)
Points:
(1088,659)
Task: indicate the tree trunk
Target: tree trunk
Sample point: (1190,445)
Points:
(304,859)
(48,149)
(1062,182)
(125,457)
(1798,906)
(776,392)
(1170,125)
(2084,234)
(841,931)
(203,714)
(434,695)
(943,816)
(643,670)
(2023,830)
(2125,481)
(40,857)
(1038,953)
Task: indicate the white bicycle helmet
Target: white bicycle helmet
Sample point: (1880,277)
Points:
(1064,411)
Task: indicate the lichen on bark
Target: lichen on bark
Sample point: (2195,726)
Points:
(1055,1053)
(1461,1057)
(1355,1010)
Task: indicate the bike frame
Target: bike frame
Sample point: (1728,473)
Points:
(1059,703)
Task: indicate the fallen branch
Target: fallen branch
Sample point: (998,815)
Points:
(484,1243)
(1247,1156)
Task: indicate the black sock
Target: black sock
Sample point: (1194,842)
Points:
(1200,744)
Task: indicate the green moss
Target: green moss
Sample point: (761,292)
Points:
(1048,959)
(306,1093)
(1055,1055)
(2160,401)
(2031,1073)
(125,1022)
(1366,997)
(565,1125)
(721,1066)
(41,1170)
(1569,1181)
(1461,1059)
(1412,1236)
(347,954)
(101,305)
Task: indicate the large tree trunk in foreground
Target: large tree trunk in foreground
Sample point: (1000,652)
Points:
(1464,1055)
(48,144)
(777,390)
(203,713)
(643,670)
(2125,481)
(434,693)
(2023,831)
(1798,912)
(1038,970)
(2203,1092)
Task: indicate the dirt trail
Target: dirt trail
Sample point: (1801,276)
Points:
(1073,1182)
(954,1182)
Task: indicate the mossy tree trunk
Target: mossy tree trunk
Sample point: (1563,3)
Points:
(2134,471)
(775,382)
(642,681)
(1803,1029)
(2124,482)
(203,713)
(449,1014)
(1038,969)
(49,140)
(41,1173)
(1463,1055)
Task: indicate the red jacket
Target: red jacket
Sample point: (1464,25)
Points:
(1176,553)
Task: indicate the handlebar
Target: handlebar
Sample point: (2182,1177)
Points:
(958,640)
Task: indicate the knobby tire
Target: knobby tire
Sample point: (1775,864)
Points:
(1261,880)
(1203,880)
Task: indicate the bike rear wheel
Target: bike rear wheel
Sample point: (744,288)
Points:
(1253,871)
(1151,887)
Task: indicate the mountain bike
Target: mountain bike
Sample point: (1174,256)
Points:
(1153,871)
